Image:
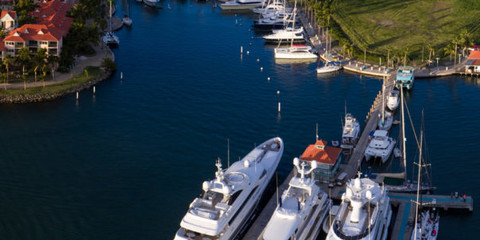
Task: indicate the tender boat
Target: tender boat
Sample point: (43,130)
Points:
(351,131)
(301,209)
(393,100)
(241,4)
(381,146)
(405,77)
(229,200)
(329,68)
(127,21)
(386,121)
(427,226)
(364,213)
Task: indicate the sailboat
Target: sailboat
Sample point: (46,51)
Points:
(295,51)
(406,186)
(426,222)
(127,21)
(110,38)
(386,121)
(328,67)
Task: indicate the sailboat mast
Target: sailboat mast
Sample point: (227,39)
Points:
(383,102)
(418,203)
(110,15)
(294,14)
(404,139)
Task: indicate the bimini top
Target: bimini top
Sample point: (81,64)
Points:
(321,153)
(405,73)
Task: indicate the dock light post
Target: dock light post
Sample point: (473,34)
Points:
(437,62)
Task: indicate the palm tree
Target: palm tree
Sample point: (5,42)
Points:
(52,61)
(23,57)
(8,61)
(39,59)
(449,50)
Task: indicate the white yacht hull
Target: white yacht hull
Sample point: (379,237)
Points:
(328,69)
(239,6)
(294,53)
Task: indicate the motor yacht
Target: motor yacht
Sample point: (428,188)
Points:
(393,100)
(351,132)
(301,209)
(229,200)
(364,213)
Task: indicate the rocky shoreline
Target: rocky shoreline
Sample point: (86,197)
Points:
(44,97)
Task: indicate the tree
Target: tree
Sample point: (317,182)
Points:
(7,61)
(449,50)
(23,9)
(52,61)
(39,59)
(23,58)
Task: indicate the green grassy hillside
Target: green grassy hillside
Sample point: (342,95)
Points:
(409,25)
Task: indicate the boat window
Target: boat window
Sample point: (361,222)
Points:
(243,205)
(234,197)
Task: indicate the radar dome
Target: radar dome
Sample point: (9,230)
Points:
(246,163)
(205,186)
(314,164)
(296,161)
(369,194)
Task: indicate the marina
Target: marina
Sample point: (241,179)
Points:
(126,162)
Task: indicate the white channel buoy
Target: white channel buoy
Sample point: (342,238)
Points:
(121,75)
(241,49)
(77,95)
(236,21)
(248,52)
(261,69)
(258,59)
(250,44)
(278,92)
(279,106)
(93,90)
(268,78)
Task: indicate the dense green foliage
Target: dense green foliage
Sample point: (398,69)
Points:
(23,8)
(109,64)
(420,28)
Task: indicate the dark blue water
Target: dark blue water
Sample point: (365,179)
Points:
(126,163)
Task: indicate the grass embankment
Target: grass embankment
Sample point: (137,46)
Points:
(77,81)
(405,26)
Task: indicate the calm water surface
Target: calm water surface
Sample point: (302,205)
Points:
(126,163)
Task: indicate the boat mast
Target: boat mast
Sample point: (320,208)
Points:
(383,102)
(404,139)
(419,199)
(294,14)
(110,15)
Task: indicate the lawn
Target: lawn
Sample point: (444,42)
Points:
(406,25)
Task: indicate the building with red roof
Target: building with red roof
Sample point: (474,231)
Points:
(473,62)
(8,20)
(52,25)
(327,157)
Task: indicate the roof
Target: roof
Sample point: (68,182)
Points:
(38,32)
(321,153)
(53,14)
(12,14)
(474,54)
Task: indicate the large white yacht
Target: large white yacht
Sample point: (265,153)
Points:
(231,198)
(351,130)
(286,35)
(364,213)
(241,4)
(381,146)
(301,209)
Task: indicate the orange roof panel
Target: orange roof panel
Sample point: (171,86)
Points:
(474,54)
(321,153)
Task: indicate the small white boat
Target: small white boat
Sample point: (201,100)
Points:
(241,4)
(381,146)
(153,3)
(393,100)
(127,21)
(328,68)
(351,131)
(110,38)
(301,209)
(229,200)
(427,226)
(386,121)
(364,213)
